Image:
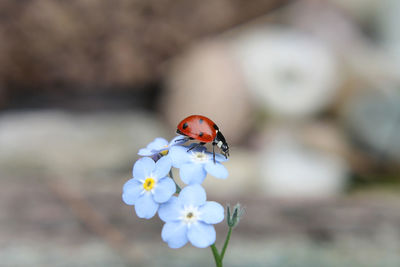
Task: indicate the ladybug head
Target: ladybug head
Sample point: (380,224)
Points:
(225,150)
(222,144)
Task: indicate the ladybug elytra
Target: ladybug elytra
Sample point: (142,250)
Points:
(201,128)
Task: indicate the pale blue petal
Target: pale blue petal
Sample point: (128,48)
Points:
(216,169)
(201,235)
(145,152)
(163,166)
(211,212)
(171,210)
(164,189)
(154,147)
(175,234)
(193,195)
(220,157)
(131,191)
(157,144)
(145,206)
(130,183)
(178,155)
(177,140)
(199,148)
(192,173)
(143,167)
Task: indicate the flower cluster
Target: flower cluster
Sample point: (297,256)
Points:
(186,213)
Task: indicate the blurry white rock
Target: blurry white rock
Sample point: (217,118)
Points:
(361,10)
(360,57)
(373,117)
(291,169)
(325,21)
(388,21)
(206,81)
(74,144)
(290,73)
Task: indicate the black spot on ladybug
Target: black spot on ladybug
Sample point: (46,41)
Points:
(200,121)
(185,125)
(201,134)
(215,127)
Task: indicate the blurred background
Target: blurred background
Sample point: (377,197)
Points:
(307,94)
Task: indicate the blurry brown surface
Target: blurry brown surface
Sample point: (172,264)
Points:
(46,44)
(43,210)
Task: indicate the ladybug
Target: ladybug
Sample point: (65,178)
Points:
(201,128)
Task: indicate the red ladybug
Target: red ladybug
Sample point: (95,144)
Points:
(197,127)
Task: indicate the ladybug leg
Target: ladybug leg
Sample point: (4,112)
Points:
(196,145)
(186,138)
(213,153)
(179,132)
(214,143)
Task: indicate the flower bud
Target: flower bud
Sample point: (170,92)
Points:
(233,220)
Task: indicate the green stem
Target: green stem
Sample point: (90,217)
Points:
(228,237)
(178,189)
(217,257)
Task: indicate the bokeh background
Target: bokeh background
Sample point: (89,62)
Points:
(307,94)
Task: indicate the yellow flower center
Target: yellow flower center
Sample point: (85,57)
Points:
(149,184)
(164,152)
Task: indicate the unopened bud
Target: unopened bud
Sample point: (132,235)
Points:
(234,218)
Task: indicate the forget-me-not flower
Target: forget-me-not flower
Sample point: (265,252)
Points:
(189,217)
(196,163)
(160,146)
(149,186)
